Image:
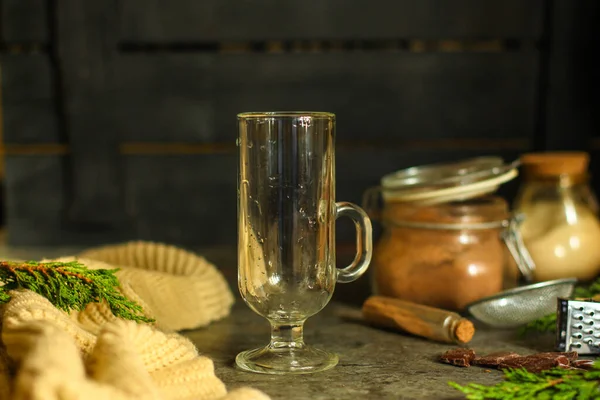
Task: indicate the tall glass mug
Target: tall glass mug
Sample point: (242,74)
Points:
(286,233)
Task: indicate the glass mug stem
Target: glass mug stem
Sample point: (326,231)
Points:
(287,336)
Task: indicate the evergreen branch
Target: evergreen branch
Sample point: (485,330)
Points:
(590,291)
(69,286)
(541,325)
(556,383)
(548,322)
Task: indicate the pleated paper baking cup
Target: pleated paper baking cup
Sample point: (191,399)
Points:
(182,289)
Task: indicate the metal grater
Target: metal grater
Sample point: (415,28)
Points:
(578,326)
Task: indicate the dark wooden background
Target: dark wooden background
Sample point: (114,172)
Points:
(119,116)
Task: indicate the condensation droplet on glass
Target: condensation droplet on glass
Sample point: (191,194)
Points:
(250,144)
(262,147)
(305,121)
(237,141)
(258,206)
(322,214)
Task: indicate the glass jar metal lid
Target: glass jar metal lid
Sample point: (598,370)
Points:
(444,182)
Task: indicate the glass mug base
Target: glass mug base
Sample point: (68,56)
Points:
(286,360)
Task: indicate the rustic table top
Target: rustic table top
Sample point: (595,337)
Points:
(374,363)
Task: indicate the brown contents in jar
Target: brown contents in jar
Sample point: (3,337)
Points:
(440,267)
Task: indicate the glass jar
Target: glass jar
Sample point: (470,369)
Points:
(445,255)
(560,227)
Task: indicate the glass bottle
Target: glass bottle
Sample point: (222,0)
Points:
(560,227)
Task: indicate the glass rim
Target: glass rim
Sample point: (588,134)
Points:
(286,114)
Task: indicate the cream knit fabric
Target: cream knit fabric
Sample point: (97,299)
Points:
(46,353)
(181,289)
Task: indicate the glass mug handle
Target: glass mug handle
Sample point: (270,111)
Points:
(364,241)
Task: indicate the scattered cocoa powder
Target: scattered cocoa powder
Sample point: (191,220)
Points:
(441,268)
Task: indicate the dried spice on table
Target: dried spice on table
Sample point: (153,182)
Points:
(460,357)
(538,362)
(549,375)
(494,359)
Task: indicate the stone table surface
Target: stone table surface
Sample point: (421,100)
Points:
(374,363)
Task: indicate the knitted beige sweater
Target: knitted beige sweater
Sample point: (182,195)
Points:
(47,354)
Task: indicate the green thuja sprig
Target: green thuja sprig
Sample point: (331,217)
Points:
(556,383)
(548,322)
(69,286)
(544,324)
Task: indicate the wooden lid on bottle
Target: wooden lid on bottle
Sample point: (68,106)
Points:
(554,164)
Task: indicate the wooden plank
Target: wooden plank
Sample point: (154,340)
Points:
(32,218)
(572,80)
(86,47)
(183,199)
(377,97)
(36,205)
(35,149)
(186,200)
(28,99)
(230,148)
(24,21)
(191,200)
(163,21)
